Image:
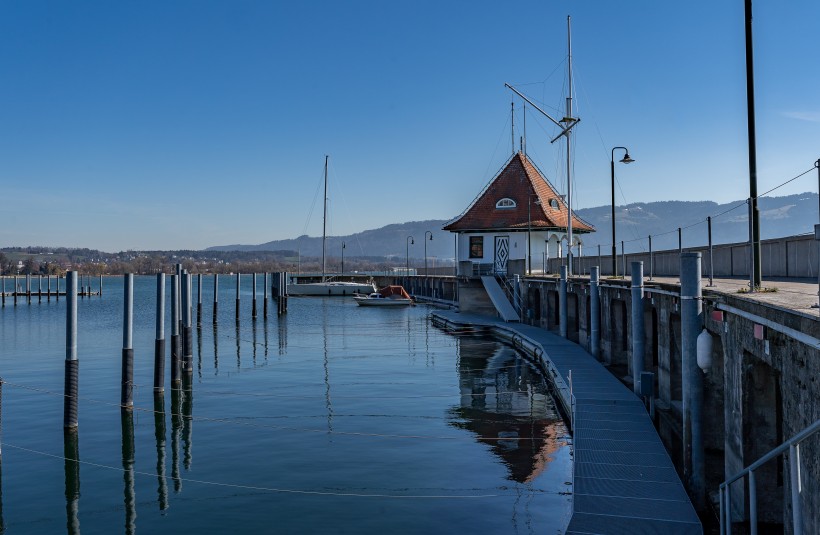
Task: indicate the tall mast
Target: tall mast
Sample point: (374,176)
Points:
(569,161)
(324,224)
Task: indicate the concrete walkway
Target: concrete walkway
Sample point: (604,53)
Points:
(624,481)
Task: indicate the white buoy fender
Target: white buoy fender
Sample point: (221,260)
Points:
(704,351)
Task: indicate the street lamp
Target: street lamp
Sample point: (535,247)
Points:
(407,255)
(626,159)
(426,232)
(343,258)
(529,230)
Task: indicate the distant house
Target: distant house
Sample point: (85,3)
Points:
(518,215)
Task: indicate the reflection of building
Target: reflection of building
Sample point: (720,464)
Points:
(505,402)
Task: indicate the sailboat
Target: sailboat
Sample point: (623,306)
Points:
(328,286)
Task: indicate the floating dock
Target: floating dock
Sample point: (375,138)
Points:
(623,479)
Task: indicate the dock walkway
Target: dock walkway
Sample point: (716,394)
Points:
(623,479)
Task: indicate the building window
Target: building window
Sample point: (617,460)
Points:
(476,246)
(554,204)
(506,202)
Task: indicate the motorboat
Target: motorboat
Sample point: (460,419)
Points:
(389,296)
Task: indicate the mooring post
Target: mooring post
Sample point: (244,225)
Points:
(562,302)
(253,306)
(187,326)
(238,281)
(176,349)
(28,288)
(265,296)
(72,365)
(127,396)
(637,326)
(159,343)
(594,312)
(4,289)
(57,293)
(692,380)
(100,285)
(39,288)
(199,300)
(14,290)
(48,288)
(216,296)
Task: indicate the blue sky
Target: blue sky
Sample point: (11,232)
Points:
(166,125)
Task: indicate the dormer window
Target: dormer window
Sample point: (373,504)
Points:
(554,204)
(505,203)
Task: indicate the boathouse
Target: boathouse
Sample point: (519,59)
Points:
(515,224)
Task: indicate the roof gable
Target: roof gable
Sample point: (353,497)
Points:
(521,182)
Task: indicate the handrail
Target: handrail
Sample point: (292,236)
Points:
(793,447)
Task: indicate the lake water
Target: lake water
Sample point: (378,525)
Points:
(332,418)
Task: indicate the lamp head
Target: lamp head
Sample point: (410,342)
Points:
(627,158)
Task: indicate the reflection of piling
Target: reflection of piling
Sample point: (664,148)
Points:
(199,300)
(127,395)
(216,352)
(159,434)
(159,343)
(187,331)
(187,421)
(72,365)
(216,294)
(175,345)
(71,453)
(127,418)
(265,296)
(176,425)
(238,281)
(238,349)
(253,307)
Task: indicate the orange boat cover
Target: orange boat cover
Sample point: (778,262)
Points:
(397,291)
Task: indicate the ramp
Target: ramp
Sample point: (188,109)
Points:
(499,298)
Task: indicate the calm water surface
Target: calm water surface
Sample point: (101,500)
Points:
(331,419)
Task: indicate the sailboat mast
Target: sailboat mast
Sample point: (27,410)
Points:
(569,160)
(324,224)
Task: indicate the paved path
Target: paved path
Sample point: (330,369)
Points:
(624,481)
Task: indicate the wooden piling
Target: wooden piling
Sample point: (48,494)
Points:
(159,343)
(216,296)
(127,392)
(238,281)
(72,365)
(253,307)
(176,350)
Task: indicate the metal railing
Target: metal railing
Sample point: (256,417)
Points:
(509,290)
(793,447)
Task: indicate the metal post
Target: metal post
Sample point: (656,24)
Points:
(57,293)
(28,288)
(100,285)
(594,312)
(39,288)
(752,503)
(176,350)
(72,364)
(692,377)
(711,257)
(562,302)
(238,283)
(216,296)
(127,392)
(637,326)
(795,484)
(680,241)
(48,288)
(752,285)
(187,326)
(651,259)
(159,343)
(253,307)
(754,221)
(817,238)
(623,258)
(599,257)
(199,300)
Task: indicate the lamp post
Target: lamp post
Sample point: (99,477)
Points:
(343,258)
(529,230)
(426,232)
(626,159)
(407,255)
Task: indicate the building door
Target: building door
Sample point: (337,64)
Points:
(502,253)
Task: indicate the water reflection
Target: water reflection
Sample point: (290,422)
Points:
(253,336)
(238,348)
(187,421)
(216,351)
(199,350)
(127,418)
(176,428)
(2,522)
(159,433)
(71,452)
(505,402)
(283,334)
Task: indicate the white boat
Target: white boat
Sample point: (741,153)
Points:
(328,287)
(389,296)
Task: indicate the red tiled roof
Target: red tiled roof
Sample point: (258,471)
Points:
(517,181)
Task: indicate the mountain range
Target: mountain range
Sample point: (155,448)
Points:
(779,216)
